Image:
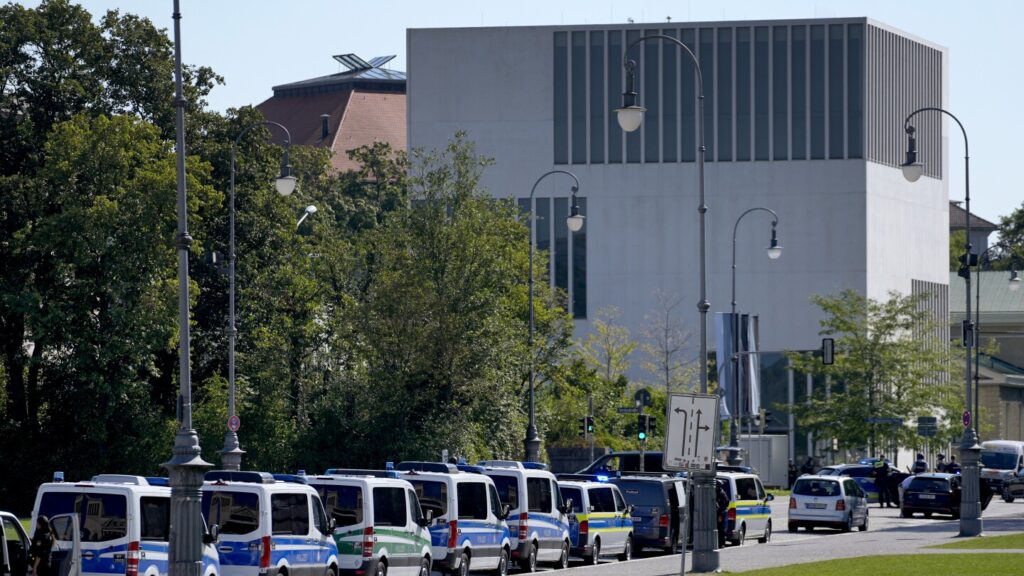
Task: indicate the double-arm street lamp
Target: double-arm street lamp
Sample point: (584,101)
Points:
(231,455)
(774,251)
(574,222)
(970,496)
(630,115)
(186,466)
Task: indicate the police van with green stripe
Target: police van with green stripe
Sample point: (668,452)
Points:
(601,522)
(378,524)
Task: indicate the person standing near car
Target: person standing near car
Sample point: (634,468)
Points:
(940,466)
(882,483)
(920,465)
(953,467)
(793,473)
(39,550)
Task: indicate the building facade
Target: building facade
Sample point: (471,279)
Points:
(804,117)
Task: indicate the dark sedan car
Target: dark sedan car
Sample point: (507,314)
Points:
(936,493)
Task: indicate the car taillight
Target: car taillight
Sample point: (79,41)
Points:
(524,529)
(453,533)
(368,542)
(792,503)
(731,514)
(841,504)
(133,559)
(584,527)
(265,555)
(663,521)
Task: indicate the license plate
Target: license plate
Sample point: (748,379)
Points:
(927,496)
(815,506)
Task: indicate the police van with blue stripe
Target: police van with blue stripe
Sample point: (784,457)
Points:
(120,522)
(748,514)
(538,518)
(468,530)
(268,526)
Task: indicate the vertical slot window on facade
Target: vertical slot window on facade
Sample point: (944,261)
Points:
(670,99)
(542,225)
(579,266)
(598,108)
(707,69)
(780,93)
(651,75)
(761,133)
(724,94)
(579,97)
(633,138)
(836,93)
(817,92)
(855,90)
(688,98)
(615,88)
(561,249)
(561,87)
(798,73)
(743,93)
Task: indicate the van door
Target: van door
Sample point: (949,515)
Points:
(291,532)
(326,548)
(542,517)
(419,535)
(103,518)
(623,521)
(15,547)
(344,504)
(391,515)
(238,514)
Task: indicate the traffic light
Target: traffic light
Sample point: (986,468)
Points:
(642,426)
(583,426)
(590,425)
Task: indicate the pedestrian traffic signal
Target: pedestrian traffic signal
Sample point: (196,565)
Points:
(643,423)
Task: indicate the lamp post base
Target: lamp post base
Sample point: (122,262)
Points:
(186,469)
(970,496)
(231,455)
(532,445)
(705,527)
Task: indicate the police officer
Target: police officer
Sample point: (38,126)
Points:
(882,483)
(920,465)
(940,466)
(953,467)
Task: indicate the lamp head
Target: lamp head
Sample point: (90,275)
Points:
(630,115)
(774,249)
(575,220)
(285,185)
(1014,281)
(311,209)
(912,169)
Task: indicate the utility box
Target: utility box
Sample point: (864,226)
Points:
(769,454)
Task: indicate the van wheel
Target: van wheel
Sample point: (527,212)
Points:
(627,554)
(425,567)
(529,562)
(331,571)
(502,569)
(596,553)
(1007,498)
(382,569)
(741,536)
(463,569)
(767,534)
(563,560)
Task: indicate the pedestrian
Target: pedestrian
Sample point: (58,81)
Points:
(940,466)
(792,472)
(808,467)
(39,550)
(920,465)
(952,467)
(722,509)
(882,482)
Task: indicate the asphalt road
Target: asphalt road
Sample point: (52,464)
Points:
(887,534)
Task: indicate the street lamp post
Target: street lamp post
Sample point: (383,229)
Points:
(630,115)
(574,222)
(970,496)
(186,466)
(774,251)
(231,455)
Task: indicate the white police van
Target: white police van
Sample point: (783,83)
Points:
(538,519)
(123,524)
(378,526)
(467,529)
(601,522)
(267,526)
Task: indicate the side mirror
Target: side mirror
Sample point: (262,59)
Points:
(504,511)
(426,520)
(567,506)
(769,497)
(331,525)
(629,509)
(212,535)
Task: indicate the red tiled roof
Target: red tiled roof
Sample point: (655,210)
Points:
(357,118)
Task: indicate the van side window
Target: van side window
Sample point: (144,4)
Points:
(235,512)
(103,516)
(538,492)
(156,518)
(508,490)
(601,500)
(415,512)
(746,489)
(433,496)
(319,518)
(343,503)
(619,504)
(289,514)
(472,500)
(389,507)
(495,501)
(574,494)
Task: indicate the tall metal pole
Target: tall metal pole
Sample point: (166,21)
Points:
(532,441)
(231,455)
(734,456)
(186,466)
(705,540)
(970,499)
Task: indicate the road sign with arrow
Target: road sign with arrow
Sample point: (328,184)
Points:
(690,428)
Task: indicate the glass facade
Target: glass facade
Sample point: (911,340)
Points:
(567,251)
(788,91)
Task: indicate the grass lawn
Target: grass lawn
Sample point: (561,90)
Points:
(778,493)
(1007,542)
(904,565)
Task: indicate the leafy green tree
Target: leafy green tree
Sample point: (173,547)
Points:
(890,362)
(957,248)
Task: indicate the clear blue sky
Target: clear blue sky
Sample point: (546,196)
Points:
(255,44)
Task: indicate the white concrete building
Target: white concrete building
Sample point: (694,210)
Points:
(804,117)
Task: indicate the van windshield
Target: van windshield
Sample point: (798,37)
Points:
(508,490)
(343,503)
(433,495)
(1000,460)
(103,517)
(234,512)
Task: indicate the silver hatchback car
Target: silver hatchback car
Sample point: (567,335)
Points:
(828,501)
